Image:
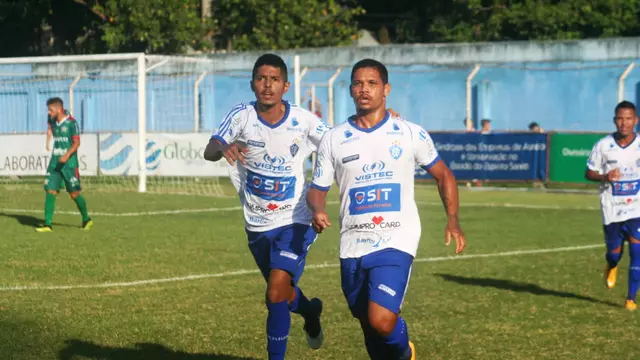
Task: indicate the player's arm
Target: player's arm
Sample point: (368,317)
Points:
(595,168)
(222,142)
(49,135)
(427,157)
(320,185)
(75,143)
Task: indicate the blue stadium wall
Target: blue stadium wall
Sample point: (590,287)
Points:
(561,85)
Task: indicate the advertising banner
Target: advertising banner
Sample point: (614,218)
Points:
(498,156)
(24,155)
(166,155)
(568,154)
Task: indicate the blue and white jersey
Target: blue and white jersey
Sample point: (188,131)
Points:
(374,169)
(272,186)
(620,200)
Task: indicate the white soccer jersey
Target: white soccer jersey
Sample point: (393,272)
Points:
(619,200)
(374,169)
(272,186)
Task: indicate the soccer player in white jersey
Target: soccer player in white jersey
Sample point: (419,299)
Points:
(268,140)
(372,158)
(615,163)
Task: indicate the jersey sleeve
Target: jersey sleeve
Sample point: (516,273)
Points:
(595,161)
(317,128)
(231,125)
(324,169)
(74,129)
(426,154)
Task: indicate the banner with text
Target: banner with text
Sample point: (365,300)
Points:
(505,157)
(25,155)
(568,154)
(166,155)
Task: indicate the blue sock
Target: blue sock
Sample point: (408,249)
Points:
(299,305)
(634,270)
(398,340)
(375,346)
(613,258)
(278,324)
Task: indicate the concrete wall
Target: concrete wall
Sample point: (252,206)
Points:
(562,85)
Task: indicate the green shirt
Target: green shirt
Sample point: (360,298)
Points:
(63,134)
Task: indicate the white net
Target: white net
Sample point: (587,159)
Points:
(182,102)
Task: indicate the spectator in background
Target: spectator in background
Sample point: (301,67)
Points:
(534,127)
(486,126)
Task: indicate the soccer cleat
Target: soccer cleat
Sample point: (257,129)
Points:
(630,305)
(413,350)
(610,275)
(44,228)
(312,326)
(86,225)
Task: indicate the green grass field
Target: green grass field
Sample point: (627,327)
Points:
(93,295)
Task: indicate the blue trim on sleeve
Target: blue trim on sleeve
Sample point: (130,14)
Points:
(321,188)
(219,138)
(430,165)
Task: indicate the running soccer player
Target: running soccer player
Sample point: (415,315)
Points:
(615,163)
(268,140)
(63,166)
(372,157)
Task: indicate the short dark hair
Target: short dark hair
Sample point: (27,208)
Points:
(370,63)
(270,60)
(532,125)
(485,121)
(625,105)
(56,101)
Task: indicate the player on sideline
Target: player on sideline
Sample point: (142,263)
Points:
(615,163)
(372,157)
(63,166)
(268,140)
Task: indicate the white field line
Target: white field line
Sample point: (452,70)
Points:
(236,208)
(308,267)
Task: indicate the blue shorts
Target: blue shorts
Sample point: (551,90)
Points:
(617,233)
(381,277)
(284,248)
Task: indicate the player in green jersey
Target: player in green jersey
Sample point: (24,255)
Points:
(63,166)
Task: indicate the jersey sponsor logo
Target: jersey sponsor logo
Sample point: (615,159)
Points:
(61,139)
(348,135)
(274,164)
(377,222)
(612,162)
(375,243)
(270,208)
(59,152)
(387,289)
(350,158)
(374,171)
(271,187)
(255,143)
(626,188)
(294,126)
(395,150)
(317,173)
(374,198)
(396,130)
(258,220)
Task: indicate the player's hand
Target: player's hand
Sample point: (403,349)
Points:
(48,147)
(320,221)
(613,175)
(235,152)
(454,231)
(63,159)
(394,113)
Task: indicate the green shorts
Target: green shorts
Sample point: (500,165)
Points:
(70,177)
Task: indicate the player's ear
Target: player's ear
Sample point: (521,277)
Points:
(387,89)
(286,87)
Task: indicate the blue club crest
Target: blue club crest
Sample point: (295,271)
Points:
(347,134)
(396,127)
(294,122)
(293,149)
(395,150)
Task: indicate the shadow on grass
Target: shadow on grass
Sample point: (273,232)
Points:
(30,221)
(144,351)
(520,287)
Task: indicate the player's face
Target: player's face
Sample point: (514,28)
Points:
(626,121)
(368,91)
(269,85)
(54,110)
